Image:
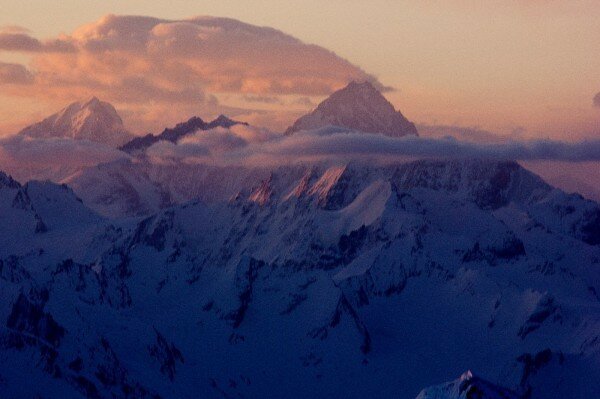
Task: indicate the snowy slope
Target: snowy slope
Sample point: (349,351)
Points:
(349,280)
(92,120)
(467,386)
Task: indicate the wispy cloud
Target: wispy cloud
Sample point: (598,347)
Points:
(14,74)
(263,99)
(16,38)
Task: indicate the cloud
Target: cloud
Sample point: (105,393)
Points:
(14,74)
(263,99)
(16,38)
(461,133)
(332,142)
(304,101)
(13,29)
(142,62)
(26,158)
(471,134)
(225,147)
(597,100)
(210,145)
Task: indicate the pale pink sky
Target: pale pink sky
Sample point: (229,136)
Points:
(531,67)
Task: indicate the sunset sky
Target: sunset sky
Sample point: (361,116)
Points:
(528,69)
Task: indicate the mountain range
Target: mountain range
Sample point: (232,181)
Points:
(404,274)
(326,278)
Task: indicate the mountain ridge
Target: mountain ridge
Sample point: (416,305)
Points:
(195,123)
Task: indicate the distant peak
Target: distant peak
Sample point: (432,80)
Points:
(222,118)
(466,376)
(224,121)
(361,85)
(358,106)
(195,120)
(6,180)
(91,119)
(93,100)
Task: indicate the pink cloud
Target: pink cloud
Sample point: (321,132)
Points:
(17,38)
(14,74)
(137,62)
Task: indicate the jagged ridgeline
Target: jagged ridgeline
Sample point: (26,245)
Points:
(352,280)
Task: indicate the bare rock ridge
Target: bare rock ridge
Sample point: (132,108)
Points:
(358,106)
(92,120)
(180,130)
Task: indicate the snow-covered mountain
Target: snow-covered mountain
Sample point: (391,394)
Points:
(139,144)
(92,120)
(358,106)
(467,386)
(315,280)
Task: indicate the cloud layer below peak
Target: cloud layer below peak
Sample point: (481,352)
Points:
(248,145)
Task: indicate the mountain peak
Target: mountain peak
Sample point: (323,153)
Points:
(365,86)
(224,121)
(358,106)
(94,101)
(93,120)
(6,180)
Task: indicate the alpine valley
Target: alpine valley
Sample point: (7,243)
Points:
(159,277)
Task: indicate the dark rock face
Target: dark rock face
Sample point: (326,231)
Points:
(139,144)
(29,320)
(12,271)
(166,354)
(494,195)
(152,231)
(8,182)
(489,184)
(248,273)
(169,134)
(547,309)
(533,363)
(590,230)
(358,106)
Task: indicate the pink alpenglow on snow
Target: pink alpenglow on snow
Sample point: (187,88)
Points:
(358,106)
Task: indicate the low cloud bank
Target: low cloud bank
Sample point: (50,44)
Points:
(57,159)
(224,146)
(54,159)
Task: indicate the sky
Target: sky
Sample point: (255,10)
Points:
(524,69)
